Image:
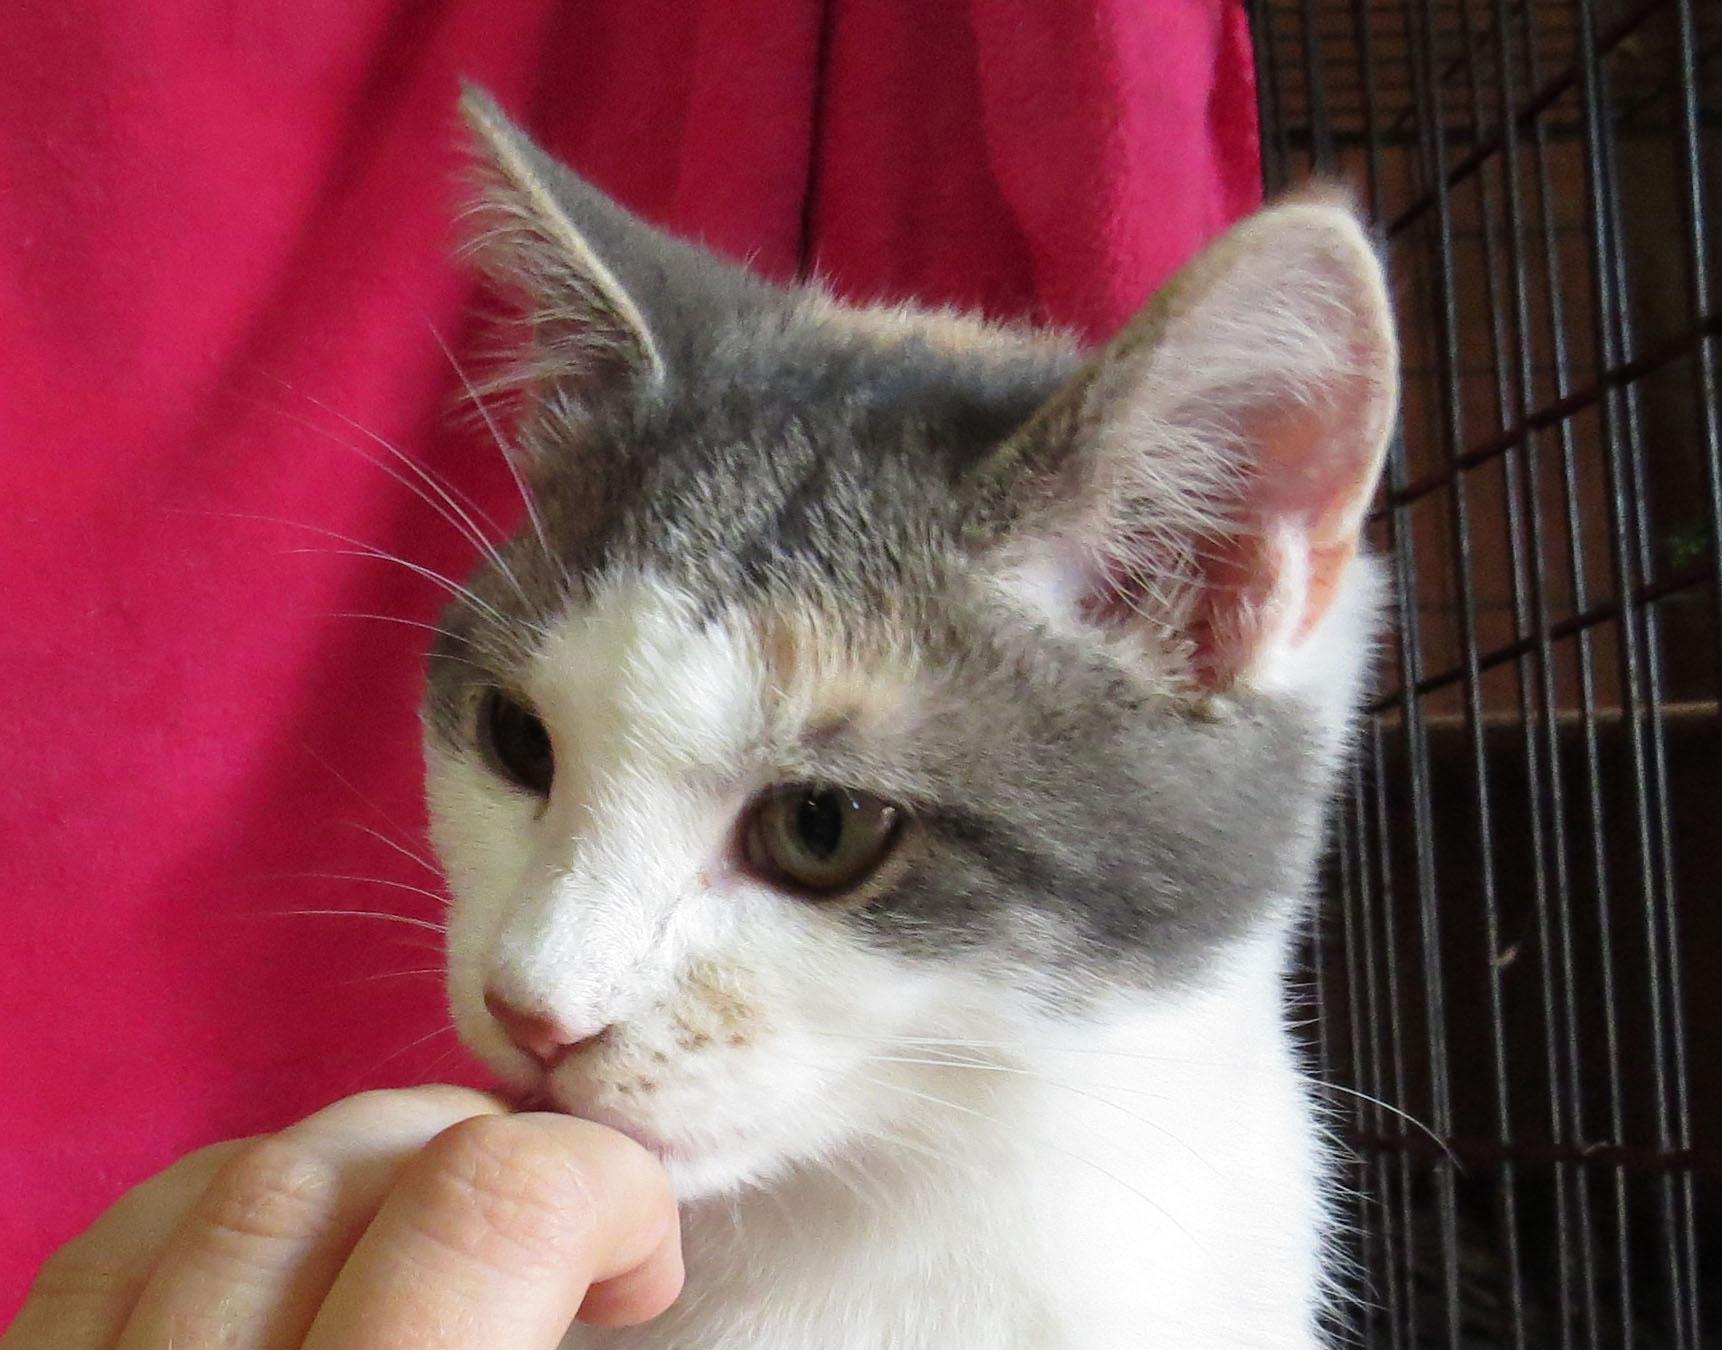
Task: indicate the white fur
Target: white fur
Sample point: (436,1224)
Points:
(1327,667)
(872,1153)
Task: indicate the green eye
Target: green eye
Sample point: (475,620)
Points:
(818,839)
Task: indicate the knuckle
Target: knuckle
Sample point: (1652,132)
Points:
(496,1190)
(351,1118)
(392,1112)
(384,1101)
(450,1097)
(273,1190)
(372,1100)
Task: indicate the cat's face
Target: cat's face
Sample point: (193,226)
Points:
(764,948)
(866,686)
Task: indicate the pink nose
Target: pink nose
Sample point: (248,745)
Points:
(544,1038)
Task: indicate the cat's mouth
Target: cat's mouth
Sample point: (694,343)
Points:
(533,1099)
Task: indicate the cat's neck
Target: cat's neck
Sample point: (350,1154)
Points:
(1150,1180)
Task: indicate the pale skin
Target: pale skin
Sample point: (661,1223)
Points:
(432,1218)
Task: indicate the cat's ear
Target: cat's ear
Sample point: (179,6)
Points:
(616,306)
(1202,483)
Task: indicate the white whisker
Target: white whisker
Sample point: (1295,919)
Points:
(380,915)
(440,656)
(347,783)
(411,1045)
(1045,1143)
(466,499)
(507,459)
(1040,1047)
(454,588)
(452,514)
(435,1066)
(934,1042)
(394,975)
(401,849)
(458,501)
(976,1067)
(448,633)
(897,1140)
(360,549)
(360,879)
(1323,1086)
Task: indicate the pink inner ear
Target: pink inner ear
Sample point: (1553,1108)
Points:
(1278,382)
(1300,517)
(1256,590)
(1278,573)
(1318,461)
(1304,508)
(1242,602)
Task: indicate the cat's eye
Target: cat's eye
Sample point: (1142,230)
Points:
(516,742)
(819,839)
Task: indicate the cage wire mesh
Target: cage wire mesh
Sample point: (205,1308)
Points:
(1514,991)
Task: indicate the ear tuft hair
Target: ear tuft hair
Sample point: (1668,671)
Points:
(584,323)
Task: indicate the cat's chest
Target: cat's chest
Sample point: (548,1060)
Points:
(1074,1259)
(899,1294)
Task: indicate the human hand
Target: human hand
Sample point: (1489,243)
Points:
(426,1219)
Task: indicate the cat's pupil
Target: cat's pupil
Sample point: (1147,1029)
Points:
(816,840)
(819,823)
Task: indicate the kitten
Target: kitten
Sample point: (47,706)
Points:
(884,776)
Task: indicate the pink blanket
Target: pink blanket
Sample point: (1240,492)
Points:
(224,268)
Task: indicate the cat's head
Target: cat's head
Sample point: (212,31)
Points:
(869,678)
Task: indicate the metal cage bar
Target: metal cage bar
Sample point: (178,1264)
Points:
(1510,997)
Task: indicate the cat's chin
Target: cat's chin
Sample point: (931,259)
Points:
(695,1172)
(713,1174)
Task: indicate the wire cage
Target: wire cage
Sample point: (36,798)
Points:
(1512,992)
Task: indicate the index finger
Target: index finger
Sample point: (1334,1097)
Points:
(496,1232)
